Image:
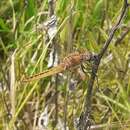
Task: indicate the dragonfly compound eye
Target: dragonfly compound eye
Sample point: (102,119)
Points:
(86,56)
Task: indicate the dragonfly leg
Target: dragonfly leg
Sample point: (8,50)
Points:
(90,72)
(85,70)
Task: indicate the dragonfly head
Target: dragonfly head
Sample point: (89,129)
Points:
(86,56)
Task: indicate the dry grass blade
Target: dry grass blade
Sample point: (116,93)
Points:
(12,84)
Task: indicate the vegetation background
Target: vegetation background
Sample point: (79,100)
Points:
(26,48)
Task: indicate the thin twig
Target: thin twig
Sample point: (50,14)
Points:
(84,123)
(113,30)
(122,36)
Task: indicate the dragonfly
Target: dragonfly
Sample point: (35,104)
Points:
(68,62)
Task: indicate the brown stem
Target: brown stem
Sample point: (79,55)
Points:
(122,36)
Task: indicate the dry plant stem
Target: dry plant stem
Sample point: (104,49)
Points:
(3,99)
(104,12)
(123,35)
(85,124)
(113,30)
(68,50)
(51,13)
(51,7)
(114,125)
